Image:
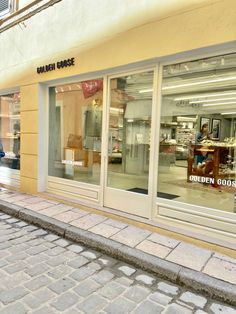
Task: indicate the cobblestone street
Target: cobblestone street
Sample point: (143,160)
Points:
(43,273)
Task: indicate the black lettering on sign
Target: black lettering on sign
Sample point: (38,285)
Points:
(59,65)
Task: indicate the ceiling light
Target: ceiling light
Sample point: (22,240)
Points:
(210,100)
(225,113)
(220,104)
(231,78)
(204,96)
(146,91)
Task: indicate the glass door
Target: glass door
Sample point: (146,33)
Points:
(129,129)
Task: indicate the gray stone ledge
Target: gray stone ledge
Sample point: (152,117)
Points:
(206,284)
(45,222)
(9,208)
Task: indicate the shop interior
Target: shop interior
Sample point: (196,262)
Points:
(10,131)
(199,93)
(194,94)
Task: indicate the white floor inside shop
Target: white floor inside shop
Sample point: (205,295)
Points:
(171,180)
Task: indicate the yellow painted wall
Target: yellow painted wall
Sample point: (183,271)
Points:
(29,138)
(209,25)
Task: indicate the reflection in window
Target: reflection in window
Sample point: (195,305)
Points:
(75,130)
(129,132)
(197,147)
(9,132)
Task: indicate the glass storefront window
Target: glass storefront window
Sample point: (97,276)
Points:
(129,132)
(9,132)
(197,145)
(75,131)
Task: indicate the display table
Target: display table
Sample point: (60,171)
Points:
(213,157)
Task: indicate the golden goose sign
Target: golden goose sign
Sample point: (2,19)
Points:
(56,65)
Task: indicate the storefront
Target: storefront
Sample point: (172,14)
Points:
(143,125)
(158,148)
(10,139)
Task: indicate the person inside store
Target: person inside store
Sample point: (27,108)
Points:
(203,134)
(2,154)
(200,137)
(16,147)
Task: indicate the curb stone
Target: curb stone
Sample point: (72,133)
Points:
(213,287)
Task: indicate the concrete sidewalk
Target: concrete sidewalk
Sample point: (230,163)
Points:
(200,269)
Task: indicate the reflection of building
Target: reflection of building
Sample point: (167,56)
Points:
(131,154)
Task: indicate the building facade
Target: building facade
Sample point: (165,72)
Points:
(141,122)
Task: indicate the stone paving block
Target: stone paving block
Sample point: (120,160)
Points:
(107,261)
(15,267)
(37,283)
(115,223)
(12,295)
(103,276)
(21,224)
(218,308)
(37,259)
(75,248)
(124,281)
(148,307)
(189,256)
(94,265)
(87,287)
(60,271)
(82,273)
(224,258)
(136,293)
(160,298)
(104,230)
(91,254)
(201,312)
(78,262)
(12,220)
(19,248)
(88,221)
(62,242)
(37,269)
(120,306)
(16,257)
(33,199)
(36,299)
(35,250)
(53,210)
(221,269)
(194,299)
(62,285)
(168,288)
(35,241)
(147,280)
(16,308)
(56,261)
(45,310)
(176,309)
(131,236)
(39,206)
(39,232)
(93,304)
(111,290)
(12,281)
(65,301)
(51,237)
(127,270)
(55,251)
(70,215)
(153,248)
